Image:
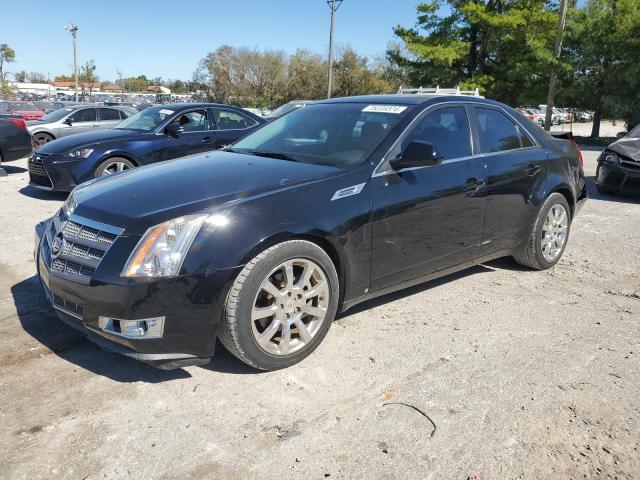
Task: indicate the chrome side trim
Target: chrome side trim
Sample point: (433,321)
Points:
(67,312)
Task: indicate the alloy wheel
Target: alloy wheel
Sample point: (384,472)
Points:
(554,232)
(115,167)
(290,306)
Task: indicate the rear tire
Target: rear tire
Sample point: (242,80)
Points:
(546,241)
(271,321)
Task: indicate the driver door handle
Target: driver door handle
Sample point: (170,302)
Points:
(532,169)
(207,140)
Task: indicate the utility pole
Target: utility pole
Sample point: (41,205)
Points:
(333,5)
(73,28)
(553,78)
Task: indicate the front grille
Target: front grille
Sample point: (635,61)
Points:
(69,307)
(37,173)
(74,249)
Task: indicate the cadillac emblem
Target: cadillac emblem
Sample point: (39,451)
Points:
(58,246)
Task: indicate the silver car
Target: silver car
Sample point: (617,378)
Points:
(76,119)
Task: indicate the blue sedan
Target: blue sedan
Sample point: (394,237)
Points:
(153,135)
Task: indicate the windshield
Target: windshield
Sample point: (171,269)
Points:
(56,115)
(339,134)
(146,120)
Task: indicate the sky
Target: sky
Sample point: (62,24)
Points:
(146,37)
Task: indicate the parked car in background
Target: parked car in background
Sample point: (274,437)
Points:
(618,168)
(321,209)
(15,141)
(144,105)
(532,114)
(255,111)
(558,116)
(152,135)
(27,110)
(77,119)
(286,108)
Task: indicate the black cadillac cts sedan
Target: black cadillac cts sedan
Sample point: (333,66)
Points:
(332,204)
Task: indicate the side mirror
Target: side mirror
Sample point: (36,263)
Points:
(68,121)
(417,154)
(620,134)
(174,130)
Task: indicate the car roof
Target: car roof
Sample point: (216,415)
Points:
(182,106)
(395,99)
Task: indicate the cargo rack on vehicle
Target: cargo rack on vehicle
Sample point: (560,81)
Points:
(439,91)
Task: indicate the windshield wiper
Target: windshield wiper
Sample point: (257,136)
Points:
(280,155)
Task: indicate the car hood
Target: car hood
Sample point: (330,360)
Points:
(629,147)
(142,197)
(65,144)
(35,123)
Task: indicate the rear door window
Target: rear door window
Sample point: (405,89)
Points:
(496,132)
(109,114)
(228,120)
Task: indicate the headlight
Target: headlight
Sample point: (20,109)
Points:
(610,157)
(69,205)
(81,153)
(162,249)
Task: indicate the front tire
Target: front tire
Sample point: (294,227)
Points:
(113,165)
(40,139)
(281,305)
(548,237)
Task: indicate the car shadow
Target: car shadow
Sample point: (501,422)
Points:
(626,197)
(39,194)
(39,319)
(12,169)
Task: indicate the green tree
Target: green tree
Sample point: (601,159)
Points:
(354,77)
(306,76)
(7,55)
(87,77)
(603,49)
(504,47)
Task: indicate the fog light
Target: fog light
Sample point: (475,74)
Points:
(145,328)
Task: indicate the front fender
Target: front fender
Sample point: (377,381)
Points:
(235,233)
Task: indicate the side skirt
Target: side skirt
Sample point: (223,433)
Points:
(425,278)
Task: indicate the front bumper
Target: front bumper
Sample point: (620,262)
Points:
(619,177)
(190,305)
(57,172)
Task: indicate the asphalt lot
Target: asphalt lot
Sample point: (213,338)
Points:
(519,374)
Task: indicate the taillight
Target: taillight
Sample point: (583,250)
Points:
(18,122)
(580,159)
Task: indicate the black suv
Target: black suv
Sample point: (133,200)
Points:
(329,205)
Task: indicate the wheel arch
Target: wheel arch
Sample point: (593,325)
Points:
(566,192)
(322,241)
(124,155)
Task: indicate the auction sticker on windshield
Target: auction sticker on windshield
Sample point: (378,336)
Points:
(384,108)
(165,111)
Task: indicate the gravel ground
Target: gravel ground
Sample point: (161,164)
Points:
(495,372)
